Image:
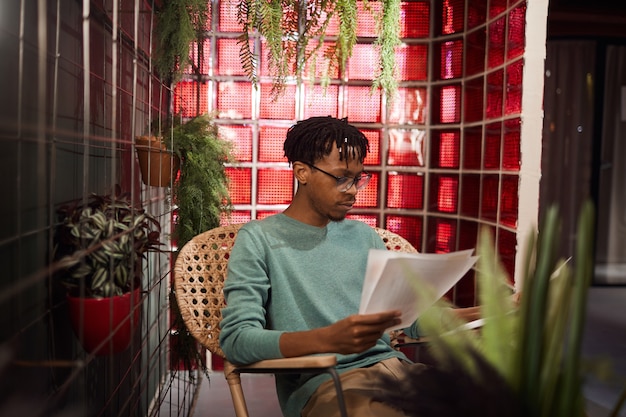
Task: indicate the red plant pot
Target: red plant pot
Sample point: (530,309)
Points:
(105,326)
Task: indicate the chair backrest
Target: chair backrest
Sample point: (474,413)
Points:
(200,272)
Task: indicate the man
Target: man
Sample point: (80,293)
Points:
(294,280)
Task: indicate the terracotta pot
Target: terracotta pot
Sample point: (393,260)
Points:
(157,164)
(105,326)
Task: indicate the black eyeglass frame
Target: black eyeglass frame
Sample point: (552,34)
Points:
(345,181)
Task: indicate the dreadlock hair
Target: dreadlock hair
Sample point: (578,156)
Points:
(314,138)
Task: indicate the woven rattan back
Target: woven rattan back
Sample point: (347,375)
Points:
(200,272)
(394,241)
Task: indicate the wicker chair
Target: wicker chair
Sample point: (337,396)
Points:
(199,273)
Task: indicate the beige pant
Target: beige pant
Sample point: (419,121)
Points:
(358,387)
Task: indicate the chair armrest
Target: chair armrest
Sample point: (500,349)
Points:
(301,362)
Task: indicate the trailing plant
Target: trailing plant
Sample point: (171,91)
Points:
(294,32)
(201,197)
(201,191)
(529,355)
(178,23)
(99,244)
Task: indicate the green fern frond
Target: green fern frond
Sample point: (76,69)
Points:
(201,192)
(246,17)
(388,28)
(347,11)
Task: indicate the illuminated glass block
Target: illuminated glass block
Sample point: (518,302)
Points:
(411,62)
(448,104)
(445,149)
(464,292)
(234,100)
(200,57)
(261,214)
(359,66)
(271,139)
(472,147)
(470,195)
(476,46)
(409,106)
(514,76)
(281,107)
(468,230)
(319,65)
(228,18)
(511,153)
(493,141)
(450,60)
(241,138)
(509,200)
(496,7)
(496,36)
(452,16)
(275,186)
(263,57)
(363,105)
(235,217)
(405,190)
(444,189)
(373,154)
(228,62)
(442,235)
(240,185)
(409,227)
(368,196)
(320,101)
(415,19)
(517,25)
(495,93)
(476,14)
(507,244)
(369,219)
(366,26)
(406,147)
(474,108)
(489,201)
(186,98)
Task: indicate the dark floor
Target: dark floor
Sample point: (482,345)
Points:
(604,344)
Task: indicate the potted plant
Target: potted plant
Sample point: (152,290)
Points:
(201,197)
(526,359)
(157,164)
(99,246)
(201,192)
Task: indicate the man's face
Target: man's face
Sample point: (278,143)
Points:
(325,197)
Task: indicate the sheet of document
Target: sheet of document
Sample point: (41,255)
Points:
(410,282)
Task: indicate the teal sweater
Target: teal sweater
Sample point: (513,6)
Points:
(286,276)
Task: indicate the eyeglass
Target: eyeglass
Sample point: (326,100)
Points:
(345,183)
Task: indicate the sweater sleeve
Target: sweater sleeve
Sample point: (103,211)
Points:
(243,336)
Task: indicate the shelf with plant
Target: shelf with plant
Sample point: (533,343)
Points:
(201,198)
(98,252)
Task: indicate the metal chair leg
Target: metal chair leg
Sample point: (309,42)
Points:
(340,399)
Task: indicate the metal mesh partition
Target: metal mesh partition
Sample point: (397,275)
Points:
(77,90)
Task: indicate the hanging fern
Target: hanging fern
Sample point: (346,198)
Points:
(294,32)
(388,26)
(177,26)
(201,192)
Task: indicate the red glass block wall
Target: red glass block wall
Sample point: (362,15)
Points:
(445,156)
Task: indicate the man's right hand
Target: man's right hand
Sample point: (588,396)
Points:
(354,334)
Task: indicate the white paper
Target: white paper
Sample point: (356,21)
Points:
(410,282)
